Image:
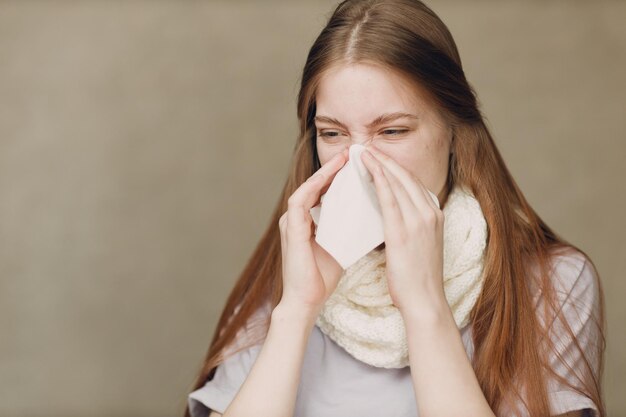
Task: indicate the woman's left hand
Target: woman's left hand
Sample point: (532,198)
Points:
(413,229)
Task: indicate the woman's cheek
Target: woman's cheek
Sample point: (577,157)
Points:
(408,156)
(399,151)
(325,151)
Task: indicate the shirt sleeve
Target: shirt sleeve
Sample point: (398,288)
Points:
(578,295)
(218,393)
(578,292)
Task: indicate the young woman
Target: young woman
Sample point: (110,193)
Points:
(474,307)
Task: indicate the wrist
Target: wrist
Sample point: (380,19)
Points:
(295,312)
(428,310)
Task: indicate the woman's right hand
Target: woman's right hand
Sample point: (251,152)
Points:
(310,274)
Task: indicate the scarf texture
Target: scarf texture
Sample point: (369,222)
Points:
(360,316)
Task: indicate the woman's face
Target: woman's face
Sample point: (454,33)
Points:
(352,103)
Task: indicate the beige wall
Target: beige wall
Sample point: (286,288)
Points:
(143,145)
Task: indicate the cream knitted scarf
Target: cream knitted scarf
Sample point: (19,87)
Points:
(360,316)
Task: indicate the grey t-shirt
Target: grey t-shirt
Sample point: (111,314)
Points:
(334,383)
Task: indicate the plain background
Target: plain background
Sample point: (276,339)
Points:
(143,145)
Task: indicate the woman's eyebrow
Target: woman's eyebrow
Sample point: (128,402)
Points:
(383,118)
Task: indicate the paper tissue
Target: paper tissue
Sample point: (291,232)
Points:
(349,222)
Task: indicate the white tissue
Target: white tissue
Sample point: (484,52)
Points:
(349,222)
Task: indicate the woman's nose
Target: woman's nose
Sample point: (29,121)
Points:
(355,141)
(360,141)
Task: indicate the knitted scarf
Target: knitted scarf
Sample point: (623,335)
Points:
(360,316)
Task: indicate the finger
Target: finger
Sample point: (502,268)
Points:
(330,180)
(405,203)
(308,192)
(301,201)
(328,266)
(427,195)
(413,186)
(392,216)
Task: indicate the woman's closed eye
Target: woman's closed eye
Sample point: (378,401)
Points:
(329,134)
(394,132)
(386,132)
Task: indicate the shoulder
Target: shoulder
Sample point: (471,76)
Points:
(573,277)
(575,330)
(578,313)
(577,299)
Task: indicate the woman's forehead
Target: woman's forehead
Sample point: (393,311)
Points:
(368,90)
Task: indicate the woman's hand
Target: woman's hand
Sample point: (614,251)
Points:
(413,228)
(310,274)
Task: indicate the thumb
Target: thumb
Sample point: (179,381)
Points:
(328,266)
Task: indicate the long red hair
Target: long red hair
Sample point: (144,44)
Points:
(408,37)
